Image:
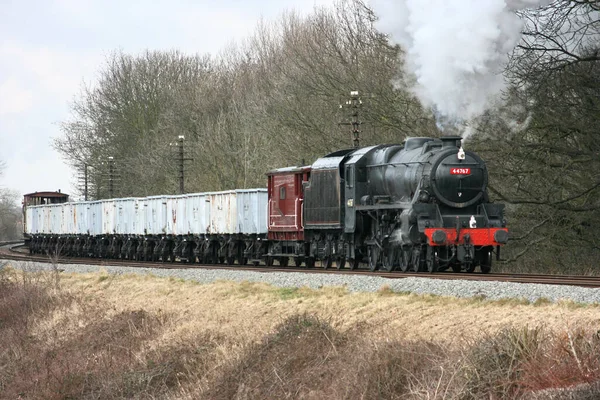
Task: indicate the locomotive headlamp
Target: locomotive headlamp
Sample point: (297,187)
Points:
(501,236)
(439,237)
(461,153)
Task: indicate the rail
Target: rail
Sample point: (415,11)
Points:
(10,250)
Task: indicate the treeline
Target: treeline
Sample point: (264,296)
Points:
(11,227)
(274,99)
(543,146)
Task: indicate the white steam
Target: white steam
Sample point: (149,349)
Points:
(456,50)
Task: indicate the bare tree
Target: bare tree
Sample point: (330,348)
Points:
(10,213)
(545,155)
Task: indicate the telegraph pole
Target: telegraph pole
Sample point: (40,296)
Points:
(181,159)
(354,104)
(111,176)
(85,181)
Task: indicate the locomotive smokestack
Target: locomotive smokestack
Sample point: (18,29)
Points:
(451,141)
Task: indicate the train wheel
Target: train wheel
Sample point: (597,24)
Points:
(405,260)
(230,260)
(486,263)
(373,257)
(327,262)
(387,260)
(433,262)
(240,255)
(310,262)
(269,261)
(340,262)
(298,261)
(284,261)
(353,264)
(456,267)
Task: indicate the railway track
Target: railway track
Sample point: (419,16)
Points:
(17,251)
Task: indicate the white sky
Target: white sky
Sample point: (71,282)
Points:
(49,48)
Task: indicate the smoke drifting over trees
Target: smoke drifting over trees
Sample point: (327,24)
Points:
(456,50)
(524,74)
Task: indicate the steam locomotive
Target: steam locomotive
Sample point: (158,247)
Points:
(419,206)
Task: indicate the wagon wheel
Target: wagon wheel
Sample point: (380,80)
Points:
(214,256)
(240,256)
(327,262)
(373,257)
(340,262)
(310,262)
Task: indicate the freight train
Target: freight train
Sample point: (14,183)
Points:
(417,206)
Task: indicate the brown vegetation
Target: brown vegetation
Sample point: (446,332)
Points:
(102,336)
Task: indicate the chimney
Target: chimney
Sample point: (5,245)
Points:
(451,141)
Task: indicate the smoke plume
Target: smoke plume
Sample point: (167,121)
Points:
(455,50)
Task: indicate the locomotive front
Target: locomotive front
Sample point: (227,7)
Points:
(457,178)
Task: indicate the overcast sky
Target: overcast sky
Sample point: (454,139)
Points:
(49,48)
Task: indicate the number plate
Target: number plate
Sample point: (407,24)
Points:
(460,171)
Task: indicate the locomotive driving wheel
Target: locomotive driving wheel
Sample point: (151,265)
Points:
(405,258)
(387,260)
(373,257)
(353,263)
(340,262)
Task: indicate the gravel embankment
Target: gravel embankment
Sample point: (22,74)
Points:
(354,283)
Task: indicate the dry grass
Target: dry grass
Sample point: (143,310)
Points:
(108,336)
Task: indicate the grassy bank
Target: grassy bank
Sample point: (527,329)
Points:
(106,336)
